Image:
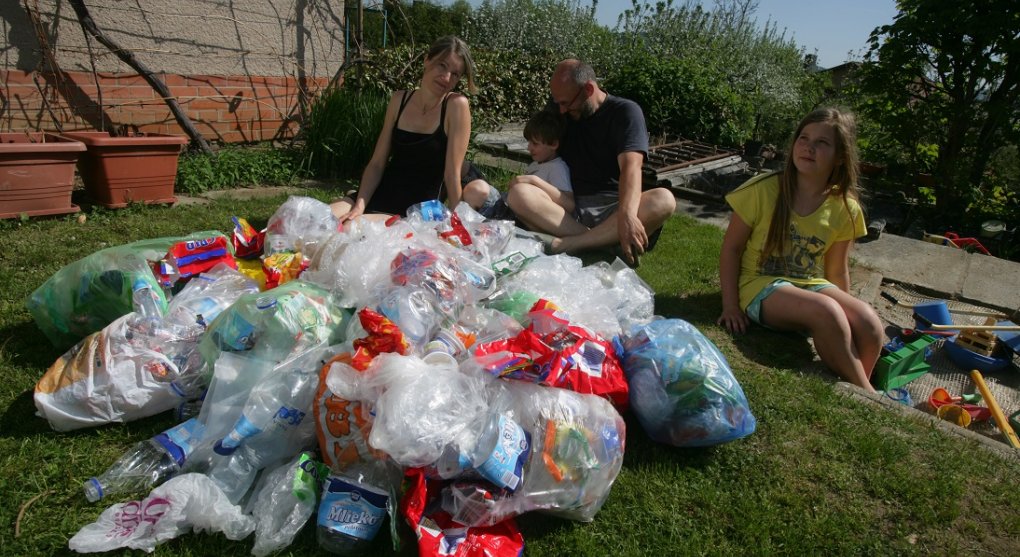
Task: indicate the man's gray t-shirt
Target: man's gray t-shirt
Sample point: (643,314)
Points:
(590,146)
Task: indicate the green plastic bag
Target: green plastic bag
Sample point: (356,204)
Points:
(89,294)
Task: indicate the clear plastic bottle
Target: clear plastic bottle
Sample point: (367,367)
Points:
(147,302)
(283,397)
(148,463)
(432,210)
(354,505)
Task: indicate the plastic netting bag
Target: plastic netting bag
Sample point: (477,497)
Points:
(681,387)
(89,294)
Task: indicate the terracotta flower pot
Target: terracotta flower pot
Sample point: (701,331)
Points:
(37,174)
(130,169)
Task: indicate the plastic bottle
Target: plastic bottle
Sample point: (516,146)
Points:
(445,342)
(148,463)
(354,505)
(243,324)
(283,397)
(503,448)
(146,301)
(272,426)
(188,409)
(432,210)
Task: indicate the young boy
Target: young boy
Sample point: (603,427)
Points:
(547,170)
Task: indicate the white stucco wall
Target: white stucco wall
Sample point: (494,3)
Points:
(188,37)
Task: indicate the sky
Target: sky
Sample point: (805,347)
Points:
(833,28)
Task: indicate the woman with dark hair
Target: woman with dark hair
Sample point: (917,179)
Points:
(422,144)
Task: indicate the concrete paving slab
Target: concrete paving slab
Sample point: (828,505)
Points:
(939,269)
(254,193)
(992,280)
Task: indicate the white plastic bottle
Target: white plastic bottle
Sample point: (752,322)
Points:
(148,463)
(354,505)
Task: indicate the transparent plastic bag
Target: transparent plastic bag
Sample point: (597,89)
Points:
(300,224)
(283,502)
(276,324)
(187,503)
(576,445)
(423,408)
(353,263)
(601,297)
(681,387)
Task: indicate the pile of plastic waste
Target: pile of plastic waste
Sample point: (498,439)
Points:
(438,368)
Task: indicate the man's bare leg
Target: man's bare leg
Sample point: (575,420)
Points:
(655,208)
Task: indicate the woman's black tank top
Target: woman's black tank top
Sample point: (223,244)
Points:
(414,172)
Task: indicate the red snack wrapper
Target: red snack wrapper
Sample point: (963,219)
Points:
(439,535)
(552,351)
(383,336)
(248,242)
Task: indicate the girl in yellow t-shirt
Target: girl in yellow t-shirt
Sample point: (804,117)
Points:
(785,256)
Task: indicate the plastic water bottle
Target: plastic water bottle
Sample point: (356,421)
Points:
(354,505)
(432,210)
(241,329)
(272,426)
(146,301)
(503,448)
(148,463)
(282,398)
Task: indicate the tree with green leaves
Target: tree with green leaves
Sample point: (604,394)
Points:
(944,79)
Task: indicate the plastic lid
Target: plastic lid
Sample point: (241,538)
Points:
(219,449)
(93,490)
(265,302)
(172,448)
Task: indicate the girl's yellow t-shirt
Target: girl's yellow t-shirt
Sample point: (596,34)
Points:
(803,263)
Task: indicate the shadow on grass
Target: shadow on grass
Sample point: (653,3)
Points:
(27,346)
(19,419)
(763,346)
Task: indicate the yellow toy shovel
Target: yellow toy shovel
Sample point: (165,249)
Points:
(997,415)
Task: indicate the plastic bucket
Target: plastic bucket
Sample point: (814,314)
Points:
(936,312)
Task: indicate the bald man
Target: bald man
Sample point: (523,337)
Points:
(604,145)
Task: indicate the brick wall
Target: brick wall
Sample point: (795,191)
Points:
(228,109)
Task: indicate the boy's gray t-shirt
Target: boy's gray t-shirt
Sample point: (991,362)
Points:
(554,171)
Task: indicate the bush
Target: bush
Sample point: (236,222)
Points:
(682,98)
(341,130)
(235,166)
(758,63)
(511,85)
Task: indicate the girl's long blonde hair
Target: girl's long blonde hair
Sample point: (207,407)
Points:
(843,180)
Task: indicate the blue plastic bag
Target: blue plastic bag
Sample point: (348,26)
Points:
(681,388)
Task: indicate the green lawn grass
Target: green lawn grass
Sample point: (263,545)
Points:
(823,474)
